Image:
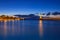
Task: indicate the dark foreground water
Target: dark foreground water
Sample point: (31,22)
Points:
(30,30)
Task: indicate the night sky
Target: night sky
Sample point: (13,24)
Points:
(12,7)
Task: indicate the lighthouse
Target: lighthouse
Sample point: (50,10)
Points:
(40,16)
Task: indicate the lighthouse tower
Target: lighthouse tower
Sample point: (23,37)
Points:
(40,16)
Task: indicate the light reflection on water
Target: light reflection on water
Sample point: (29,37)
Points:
(22,30)
(29,30)
(9,27)
(41,27)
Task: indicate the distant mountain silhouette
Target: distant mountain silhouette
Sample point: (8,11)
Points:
(54,13)
(49,13)
(30,16)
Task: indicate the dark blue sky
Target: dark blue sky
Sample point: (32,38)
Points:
(28,6)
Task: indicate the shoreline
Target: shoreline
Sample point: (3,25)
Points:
(29,19)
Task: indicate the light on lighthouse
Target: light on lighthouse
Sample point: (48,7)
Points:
(40,16)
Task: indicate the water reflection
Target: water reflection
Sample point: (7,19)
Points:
(30,30)
(5,27)
(9,27)
(41,28)
(12,27)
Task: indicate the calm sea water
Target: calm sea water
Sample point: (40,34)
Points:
(30,30)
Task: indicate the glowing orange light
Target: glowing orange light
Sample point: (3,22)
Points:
(41,28)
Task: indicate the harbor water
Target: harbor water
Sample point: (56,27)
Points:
(30,30)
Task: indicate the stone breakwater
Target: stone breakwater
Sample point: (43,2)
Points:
(49,18)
